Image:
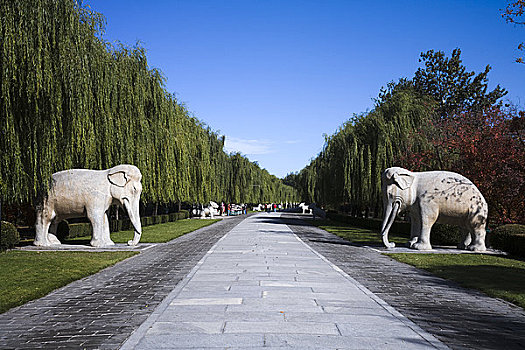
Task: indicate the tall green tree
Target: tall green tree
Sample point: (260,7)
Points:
(454,88)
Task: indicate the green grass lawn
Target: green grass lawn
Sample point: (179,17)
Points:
(355,234)
(155,233)
(27,275)
(495,276)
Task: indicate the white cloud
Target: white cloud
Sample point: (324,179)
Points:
(247,147)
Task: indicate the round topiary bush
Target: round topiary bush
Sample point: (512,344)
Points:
(9,236)
(509,238)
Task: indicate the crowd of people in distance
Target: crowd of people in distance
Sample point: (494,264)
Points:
(230,209)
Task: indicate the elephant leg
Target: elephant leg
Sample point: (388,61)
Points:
(428,218)
(42,224)
(106,237)
(98,222)
(415,230)
(478,243)
(478,234)
(41,229)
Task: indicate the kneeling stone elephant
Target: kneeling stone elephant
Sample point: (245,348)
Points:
(82,192)
(433,196)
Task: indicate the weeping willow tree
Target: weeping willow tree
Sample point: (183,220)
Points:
(69,99)
(348,169)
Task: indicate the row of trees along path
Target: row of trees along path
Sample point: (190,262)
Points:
(70,99)
(446,118)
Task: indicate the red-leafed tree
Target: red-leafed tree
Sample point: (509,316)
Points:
(488,147)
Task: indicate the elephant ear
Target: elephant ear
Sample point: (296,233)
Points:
(118,178)
(403,181)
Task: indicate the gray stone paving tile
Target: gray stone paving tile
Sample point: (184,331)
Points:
(186,327)
(281,327)
(273,308)
(269,289)
(303,341)
(359,316)
(206,301)
(176,316)
(200,341)
(254,293)
(380,330)
(288,302)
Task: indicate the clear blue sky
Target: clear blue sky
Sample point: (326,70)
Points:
(275,75)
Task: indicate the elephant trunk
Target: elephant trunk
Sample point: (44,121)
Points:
(133,212)
(388,219)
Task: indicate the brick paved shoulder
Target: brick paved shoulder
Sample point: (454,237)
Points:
(461,318)
(102,310)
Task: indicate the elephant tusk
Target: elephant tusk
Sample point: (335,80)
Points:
(388,223)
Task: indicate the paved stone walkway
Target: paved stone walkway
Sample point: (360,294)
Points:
(262,287)
(102,310)
(461,318)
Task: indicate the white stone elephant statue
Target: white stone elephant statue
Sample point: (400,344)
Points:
(433,196)
(305,208)
(82,192)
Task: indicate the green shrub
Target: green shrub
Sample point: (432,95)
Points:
(398,227)
(442,234)
(9,236)
(165,218)
(146,221)
(509,238)
(80,230)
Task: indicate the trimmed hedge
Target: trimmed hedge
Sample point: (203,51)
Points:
(80,230)
(440,235)
(443,234)
(9,236)
(84,229)
(398,227)
(509,238)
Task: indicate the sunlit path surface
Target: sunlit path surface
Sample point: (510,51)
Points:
(261,287)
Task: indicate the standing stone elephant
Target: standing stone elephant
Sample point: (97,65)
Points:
(82,192)
(433,196)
